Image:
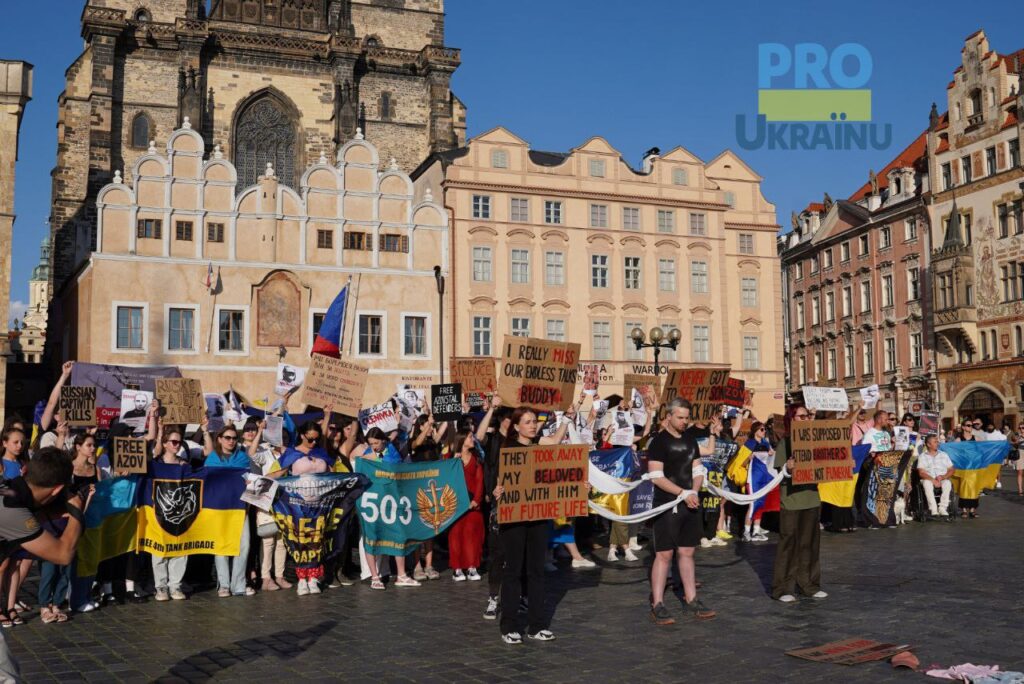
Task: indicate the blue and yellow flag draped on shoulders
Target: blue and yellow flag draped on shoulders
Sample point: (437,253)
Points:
(408,503)
(170,511)
(621,463)
(977,465)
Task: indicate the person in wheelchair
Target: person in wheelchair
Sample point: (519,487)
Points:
(935,469)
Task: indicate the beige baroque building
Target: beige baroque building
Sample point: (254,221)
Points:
(279,257)
(977,224)
(579,246)
(15,92)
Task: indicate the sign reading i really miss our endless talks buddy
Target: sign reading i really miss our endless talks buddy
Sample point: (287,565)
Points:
(538,373)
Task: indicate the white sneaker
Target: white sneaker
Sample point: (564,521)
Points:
(542,635)
(406,581)
(612,556)
(583,563)
(718,541)
(760,537)
(302,587)
(760,532)
(473,575)
(491,613)
(787,598)
(705,543)
(419,574)
(178,595)
(162,594)
(457,576)
(514,638)
(746,536)
(819,595)
(630,556)
(313,586)
(634,545)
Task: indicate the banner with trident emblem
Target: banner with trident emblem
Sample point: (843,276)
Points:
(408,503)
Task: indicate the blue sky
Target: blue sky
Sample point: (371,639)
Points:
(641,74)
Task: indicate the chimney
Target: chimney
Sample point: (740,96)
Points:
(647,164)
(874,201)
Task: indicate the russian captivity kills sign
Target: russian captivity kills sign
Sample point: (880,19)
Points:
(78,405)
(538,373)
(129,456)
(702,387)
(543,482)
(822,451)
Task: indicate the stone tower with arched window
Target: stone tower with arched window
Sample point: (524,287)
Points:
(278,81)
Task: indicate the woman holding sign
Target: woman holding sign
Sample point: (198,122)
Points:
(466,537)
(525,543)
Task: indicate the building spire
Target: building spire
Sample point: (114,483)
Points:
(953,238)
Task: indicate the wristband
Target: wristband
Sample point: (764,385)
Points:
(76,513)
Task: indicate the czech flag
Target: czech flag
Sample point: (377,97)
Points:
(329,338)
(977,465)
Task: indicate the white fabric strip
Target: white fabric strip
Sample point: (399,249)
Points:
(744,499)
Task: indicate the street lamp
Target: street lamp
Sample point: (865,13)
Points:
(440,321)
(657,343)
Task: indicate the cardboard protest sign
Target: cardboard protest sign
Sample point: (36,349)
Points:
(446,401)
(381,416)
(78,405)
(647,385)
(929,423)
(129,456)
(543,482)
(822,451)
(697,385)
(273,432)
(825,399)
(538,373)
(732,393)
(849,651)
(182,400)
(288,378)
(869,396)
(477,378)
(779,426)
(338,383)
(134,404)
(591,377)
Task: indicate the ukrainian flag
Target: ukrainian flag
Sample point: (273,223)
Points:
(619,463)
(184,512)
(738,469)
(977,465)
(840,494)
(110,524)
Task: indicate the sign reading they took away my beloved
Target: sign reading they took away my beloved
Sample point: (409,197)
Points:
(543,482)
(822,451)
(408,503)
(538,373)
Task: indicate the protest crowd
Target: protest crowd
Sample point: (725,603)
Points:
(248,499)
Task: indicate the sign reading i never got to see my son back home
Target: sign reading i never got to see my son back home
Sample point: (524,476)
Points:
(822,451)
(702,387)
(543,482)
(78,405)
(538,373)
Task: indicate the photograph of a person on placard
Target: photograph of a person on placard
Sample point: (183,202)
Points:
(410,406)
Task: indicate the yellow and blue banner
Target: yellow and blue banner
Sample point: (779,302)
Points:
(313,513)
(111,524)
(408,503)
(977,465)
(621,463)
(841,494)
(184,512)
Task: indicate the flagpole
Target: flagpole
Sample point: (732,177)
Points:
(359,284)
(344,319)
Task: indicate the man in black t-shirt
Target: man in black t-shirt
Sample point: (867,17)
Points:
(48,473)
(673,462)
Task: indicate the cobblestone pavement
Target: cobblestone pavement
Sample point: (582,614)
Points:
(952,590)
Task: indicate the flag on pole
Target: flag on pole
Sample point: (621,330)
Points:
(209,277)
(329,338)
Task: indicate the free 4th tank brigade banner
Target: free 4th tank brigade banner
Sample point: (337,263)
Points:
(409,502)
(182,512)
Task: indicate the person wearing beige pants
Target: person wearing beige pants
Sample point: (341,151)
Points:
(273,557)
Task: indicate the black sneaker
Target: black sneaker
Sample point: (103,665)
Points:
(699,610)
(542,635)
(661,616)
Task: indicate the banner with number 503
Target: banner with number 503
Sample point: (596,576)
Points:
(408,503)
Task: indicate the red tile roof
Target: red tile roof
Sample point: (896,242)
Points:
(1011,120)
(973,34)
(908,157)
(815,206)
(943,145)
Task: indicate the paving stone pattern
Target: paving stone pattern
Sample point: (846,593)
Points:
(952,590)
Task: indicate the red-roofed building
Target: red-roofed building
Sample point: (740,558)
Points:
(977,233)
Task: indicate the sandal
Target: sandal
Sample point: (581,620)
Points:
(375,583)
(21,606)
(14,617)
(46,615)
(60,615)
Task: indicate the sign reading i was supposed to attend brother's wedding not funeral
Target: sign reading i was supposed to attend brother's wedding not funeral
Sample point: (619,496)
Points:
(822,451)
(446,401)
(538,373)
(543,482)
(338,383)
(78,405)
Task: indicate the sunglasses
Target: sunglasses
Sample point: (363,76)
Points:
(310,438)
(175,442)
(232,438)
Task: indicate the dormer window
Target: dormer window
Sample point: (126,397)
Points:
(499,159)
(679,177)
(142,15)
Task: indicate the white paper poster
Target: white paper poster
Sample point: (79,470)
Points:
(410,405)
(623,434)
(380,416)
(134,404)
(274,431)
(869,397)
(638,410)
(215,411)
(259,491)
(288,378)
(826,399)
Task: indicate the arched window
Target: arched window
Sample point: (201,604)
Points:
(142,14)
(265,131)
(140,130)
